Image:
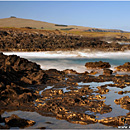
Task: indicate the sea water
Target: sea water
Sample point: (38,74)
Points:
(76,60)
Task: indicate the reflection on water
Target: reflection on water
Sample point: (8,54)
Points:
(48,87)
(110,97)
(59,124)
(41,121)
(95,84)
(70,60)
(124,43)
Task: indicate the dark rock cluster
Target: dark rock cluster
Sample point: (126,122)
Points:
(124,102)
(35,40)
(15,75)
(62,94)
(107,72)
(98,65)
(15,121)
(125,67)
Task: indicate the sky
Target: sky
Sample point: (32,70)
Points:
(99,14)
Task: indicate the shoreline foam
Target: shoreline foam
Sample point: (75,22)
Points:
(72,54)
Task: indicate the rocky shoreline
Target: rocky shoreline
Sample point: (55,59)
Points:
(62,94)
(12,39)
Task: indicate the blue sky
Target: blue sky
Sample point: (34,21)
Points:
(99,14)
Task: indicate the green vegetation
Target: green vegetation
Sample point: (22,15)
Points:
(66,28)
(12,17)
(100,34)
(61,25)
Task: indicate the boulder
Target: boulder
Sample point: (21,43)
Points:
(16,74)
(125,67)
(124,102)
(107,72)
(70,71)
(3,33)
(97,65)
(15,121)
(113,121)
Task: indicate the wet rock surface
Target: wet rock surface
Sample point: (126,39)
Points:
(113,121)
(125,67)
(15,121)
(64,94)
(124,102)
(15,75)
(107,72)
(99,65)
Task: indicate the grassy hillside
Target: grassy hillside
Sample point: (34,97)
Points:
(104,35)
(19,23)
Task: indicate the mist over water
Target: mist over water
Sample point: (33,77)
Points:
(76,60)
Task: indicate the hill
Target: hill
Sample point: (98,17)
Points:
(21,23)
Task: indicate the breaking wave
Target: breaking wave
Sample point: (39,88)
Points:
(72,54)
(75,60)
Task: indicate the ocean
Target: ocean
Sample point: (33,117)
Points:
(76,60)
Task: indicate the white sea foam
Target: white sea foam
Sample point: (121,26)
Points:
(71,54)
(75,60)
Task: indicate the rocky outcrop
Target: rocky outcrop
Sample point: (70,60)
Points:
(62,94)
(54,76)
(71,105)
(98,65)
(16,75)
(113,121)
(43,40)
(70,71)
(125,67)
(15,121)
(20,71)
(107,72)
(124,102)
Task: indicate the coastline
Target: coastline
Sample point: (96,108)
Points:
(72,54)
(80,80)
(78,90)
(45,40)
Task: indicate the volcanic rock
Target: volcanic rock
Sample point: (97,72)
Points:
(16,75)
(124,102)
(107,72)
(44,40)
(99,65)
(15,121)
(113,121)
(125,67)
(70,71)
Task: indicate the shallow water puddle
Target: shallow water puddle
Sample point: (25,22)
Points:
(3,124)
(116,109)
(66,78)
(110,97)
(48,87)
(55,123)
(64,89)
(95,84)
(89,113)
